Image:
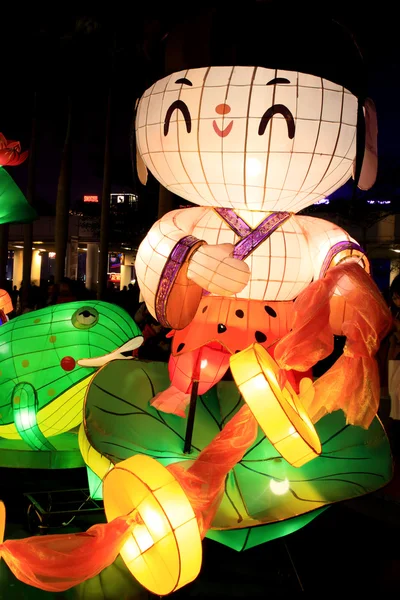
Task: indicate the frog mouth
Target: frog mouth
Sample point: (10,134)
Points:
(122,353)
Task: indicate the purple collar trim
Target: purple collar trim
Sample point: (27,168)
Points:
(235,222)
(251,238)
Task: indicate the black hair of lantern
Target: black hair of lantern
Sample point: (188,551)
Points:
(261,33)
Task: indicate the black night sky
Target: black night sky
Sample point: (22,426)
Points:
(59,53)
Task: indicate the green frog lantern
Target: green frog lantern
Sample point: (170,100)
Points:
(48,357)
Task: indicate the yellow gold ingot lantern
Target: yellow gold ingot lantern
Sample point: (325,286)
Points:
(164,551)
(278,412)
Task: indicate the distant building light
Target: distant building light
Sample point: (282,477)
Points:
(38,242)
(396,250)
(379,201)
(90,198)
(130,199)
(324,201)
(52,254)
(18,246)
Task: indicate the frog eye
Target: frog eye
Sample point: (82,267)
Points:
(85,317)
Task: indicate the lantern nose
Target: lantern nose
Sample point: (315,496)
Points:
(223,109)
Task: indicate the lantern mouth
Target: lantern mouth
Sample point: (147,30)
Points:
(164,549)
(118,354)
(278,412)
(222,132)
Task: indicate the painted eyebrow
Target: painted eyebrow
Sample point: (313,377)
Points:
(185,81)
(277,80)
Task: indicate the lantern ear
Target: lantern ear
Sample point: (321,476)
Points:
(141,168)
(369,167)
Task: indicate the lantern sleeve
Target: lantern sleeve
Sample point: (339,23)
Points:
(330,245)
(352,383)
(174,268)
(161,268)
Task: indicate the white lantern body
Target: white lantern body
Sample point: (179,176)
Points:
(280,268)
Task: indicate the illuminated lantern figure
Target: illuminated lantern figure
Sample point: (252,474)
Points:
(47,361)
(244,281)
(253,123)
(252,146)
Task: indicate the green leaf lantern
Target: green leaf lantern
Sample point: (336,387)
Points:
(14,208)
(265,497)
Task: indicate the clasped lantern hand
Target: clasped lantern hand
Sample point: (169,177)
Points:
(214,269)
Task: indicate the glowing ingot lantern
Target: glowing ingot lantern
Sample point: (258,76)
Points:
(164,552)
(279,413)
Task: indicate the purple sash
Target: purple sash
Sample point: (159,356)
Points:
(251,238)
(336,248)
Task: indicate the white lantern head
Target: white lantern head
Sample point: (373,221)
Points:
(254,137)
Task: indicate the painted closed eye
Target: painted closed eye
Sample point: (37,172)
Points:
(178,105)
(278,109)
(85,317)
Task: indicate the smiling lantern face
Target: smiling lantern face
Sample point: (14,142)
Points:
(248,137)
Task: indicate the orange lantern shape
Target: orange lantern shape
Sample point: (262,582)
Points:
(278,412)
(164,551)
(10,153)
(6,306)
